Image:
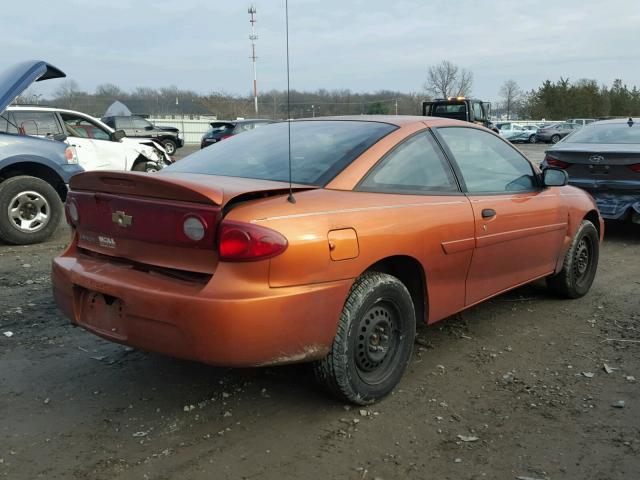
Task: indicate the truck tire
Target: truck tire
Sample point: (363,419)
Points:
(373,343)
(169,146)
(30,210)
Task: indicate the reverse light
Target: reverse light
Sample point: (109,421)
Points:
(71,154)
(194,228)
(635,167)
(243,242)
(554,162)
(72,212)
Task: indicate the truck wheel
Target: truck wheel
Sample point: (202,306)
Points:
(555,139)
(373,343)
(30,210)
(169,146)
(580,264)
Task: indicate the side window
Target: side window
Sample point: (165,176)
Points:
(124,122)
(477,111)
(37,123)
(140,123)
(4,124)
(415,166)
(83,128)
(488,164)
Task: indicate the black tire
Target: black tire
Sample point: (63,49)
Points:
(373,343)
(146,166)
(532,139)
(555,138)
(31,200)
(169,146)
(580,264)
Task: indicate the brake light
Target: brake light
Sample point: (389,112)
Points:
(71,154)
(635,167)
(241,242)
(225,136)
(554,162)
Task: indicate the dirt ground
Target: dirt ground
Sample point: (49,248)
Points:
(524,386)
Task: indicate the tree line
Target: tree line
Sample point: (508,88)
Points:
(552,100)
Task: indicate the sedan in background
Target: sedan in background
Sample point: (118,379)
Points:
(555,133)
(225,129)
(526,135)
(603,158)
(323,240)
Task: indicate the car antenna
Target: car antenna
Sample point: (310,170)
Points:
(290,198)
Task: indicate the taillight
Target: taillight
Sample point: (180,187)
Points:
(554,162)
(194,228)
(635,167)
(225,136)
(71,154)
(72,213)
(242,242)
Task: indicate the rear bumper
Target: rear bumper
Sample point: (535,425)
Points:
(616,206)
(225,322)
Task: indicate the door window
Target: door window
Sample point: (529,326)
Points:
(141,124)
(83,128)
(37,123)
(416,166)
(487,163)
(477,111)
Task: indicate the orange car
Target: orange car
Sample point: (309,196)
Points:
(392,221)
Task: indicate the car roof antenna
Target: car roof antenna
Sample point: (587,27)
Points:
(290,198)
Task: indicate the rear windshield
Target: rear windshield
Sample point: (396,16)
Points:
(219,127)
(606,133)
(319,151)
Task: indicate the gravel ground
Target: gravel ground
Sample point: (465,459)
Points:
(525,385)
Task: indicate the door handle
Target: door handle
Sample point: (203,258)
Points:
(488,213)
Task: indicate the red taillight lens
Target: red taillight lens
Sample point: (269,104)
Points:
(246,242)
(225,136)
(635,167)
(554,162)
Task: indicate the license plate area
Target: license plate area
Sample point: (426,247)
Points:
(599,169)
(102,313)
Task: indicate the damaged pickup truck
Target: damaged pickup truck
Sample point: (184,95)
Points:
(97,145)
(603,158)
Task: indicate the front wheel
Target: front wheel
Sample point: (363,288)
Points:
(555,139)
(30,210)
(580,264)
(169,147)
(532,139)
(373,343)
(146,166)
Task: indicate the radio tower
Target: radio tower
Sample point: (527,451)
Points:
(253,37)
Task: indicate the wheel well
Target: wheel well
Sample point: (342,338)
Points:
(410,272)
(36,170)
(594,218)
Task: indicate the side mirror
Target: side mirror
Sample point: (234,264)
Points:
(118,135)
(554,177)
(60,137)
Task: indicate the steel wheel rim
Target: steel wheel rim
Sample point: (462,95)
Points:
(169,148)
(29,211)
(582,260)
(377,342)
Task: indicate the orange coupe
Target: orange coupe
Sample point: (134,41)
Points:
(392,221)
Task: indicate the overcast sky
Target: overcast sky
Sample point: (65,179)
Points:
(362,45)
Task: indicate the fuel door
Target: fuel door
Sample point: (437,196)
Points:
(343,244)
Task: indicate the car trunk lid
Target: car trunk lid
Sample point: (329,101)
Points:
(140,217)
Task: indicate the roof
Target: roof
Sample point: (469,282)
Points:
(398,120)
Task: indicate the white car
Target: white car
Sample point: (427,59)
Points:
(97,145)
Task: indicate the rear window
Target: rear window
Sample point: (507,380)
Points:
(319,151)
(606,133)
(220,127)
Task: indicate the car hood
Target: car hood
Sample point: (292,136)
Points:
(17,78)
(596,147)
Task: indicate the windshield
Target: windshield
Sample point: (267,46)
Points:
(606,133)
(319,151)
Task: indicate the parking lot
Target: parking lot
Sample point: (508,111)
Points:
(523,386)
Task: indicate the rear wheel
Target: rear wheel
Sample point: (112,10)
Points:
(532,139)
(580,264)
(555,138)
(373,343)
(30,210)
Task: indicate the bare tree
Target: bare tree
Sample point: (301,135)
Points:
(511,94)
(68,93)
(448,80)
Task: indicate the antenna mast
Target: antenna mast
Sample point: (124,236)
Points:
(290,198)
(253,37)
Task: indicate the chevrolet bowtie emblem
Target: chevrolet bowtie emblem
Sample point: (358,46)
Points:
(122,219)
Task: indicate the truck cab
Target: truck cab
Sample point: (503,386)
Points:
(460,108)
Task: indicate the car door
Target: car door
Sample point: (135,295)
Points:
(106,154)
(142,128)
(519,226)
(418,182)
(125,124)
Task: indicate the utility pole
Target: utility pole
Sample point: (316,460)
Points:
(253,37)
